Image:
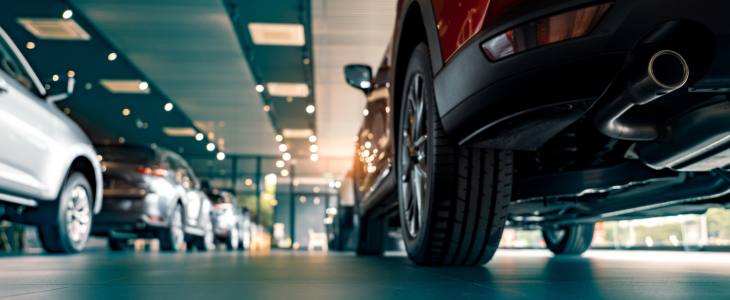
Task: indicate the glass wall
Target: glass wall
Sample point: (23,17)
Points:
(709,231)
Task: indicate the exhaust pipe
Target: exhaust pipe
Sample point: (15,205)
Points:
(666,72)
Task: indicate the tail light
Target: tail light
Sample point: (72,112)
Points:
(565,26)
(159,172)
(222,206)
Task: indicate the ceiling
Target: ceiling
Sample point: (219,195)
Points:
(345,32)
(189,49)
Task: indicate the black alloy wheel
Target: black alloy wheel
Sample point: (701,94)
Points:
(572,239)
(73,215)
(453,200)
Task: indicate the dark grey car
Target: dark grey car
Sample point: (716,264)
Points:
(152,193)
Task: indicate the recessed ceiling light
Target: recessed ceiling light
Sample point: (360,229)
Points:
(71,73)
(313,148)
(68,14)
(297,133)
(310,109)
(124,86)
(168,106)
(125,111)
(30,45)
(306,61)
(365,112)
(259,88)
(279,138)
(280,89)
(280,163)
(199,136)
(267,108)
(220,156)
(179,131)
(210,146)
(54,29)
(286,156)
(282,147)
(143,85)
(55,77)
(314,157)
(277,34)
(312,139)
(112,56)
(285,173)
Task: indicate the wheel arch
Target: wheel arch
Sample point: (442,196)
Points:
(417,25)
(83,165)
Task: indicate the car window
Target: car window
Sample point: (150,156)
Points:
(10,64)
(127,155)
(183,166)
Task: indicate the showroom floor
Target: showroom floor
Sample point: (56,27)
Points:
(280,274)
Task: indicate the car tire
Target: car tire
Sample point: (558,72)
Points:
(241,237)
(453,200)
(117,244)
(73,214)
(233,240)
(573,239)
(172,238)
(207,241)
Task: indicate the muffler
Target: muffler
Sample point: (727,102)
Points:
(666,72)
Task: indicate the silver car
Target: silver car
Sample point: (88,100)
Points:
(49,174)
(151,192)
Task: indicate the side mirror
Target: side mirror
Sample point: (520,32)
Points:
(359,76)
(60,88)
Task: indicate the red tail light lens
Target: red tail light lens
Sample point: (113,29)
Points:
(546,31)
(153,172)
(222,206)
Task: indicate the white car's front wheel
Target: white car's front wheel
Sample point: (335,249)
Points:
(74,216)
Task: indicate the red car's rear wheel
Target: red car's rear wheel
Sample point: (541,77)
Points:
(453,200)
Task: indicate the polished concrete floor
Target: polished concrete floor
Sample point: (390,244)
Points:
(281,274)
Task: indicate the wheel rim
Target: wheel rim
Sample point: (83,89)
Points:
(78,216)
(555,236)
(176,229)
(234,237)
(413,156)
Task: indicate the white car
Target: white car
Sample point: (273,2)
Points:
(49,174)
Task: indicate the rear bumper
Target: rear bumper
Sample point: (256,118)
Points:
(131,216)
(473,92)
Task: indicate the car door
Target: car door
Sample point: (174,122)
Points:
(374,140)
(27,127)
(195,198)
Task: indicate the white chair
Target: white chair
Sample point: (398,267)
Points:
(317,239)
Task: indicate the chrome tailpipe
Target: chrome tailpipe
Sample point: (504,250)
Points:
(666,72)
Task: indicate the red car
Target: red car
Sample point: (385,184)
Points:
(551,114)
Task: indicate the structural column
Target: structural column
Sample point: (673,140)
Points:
(292,206)
(258,189)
